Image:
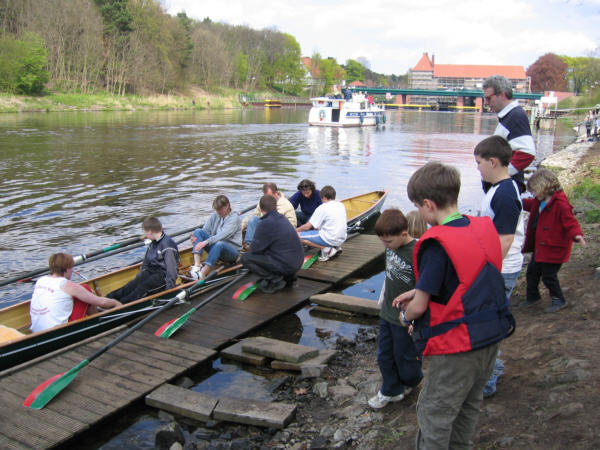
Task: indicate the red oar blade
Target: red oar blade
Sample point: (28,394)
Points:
(309,260)
(163,327)
(245,290)
(175,324)
(50,388)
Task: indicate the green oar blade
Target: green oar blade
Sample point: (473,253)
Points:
(176,324)
(309,260)
(46,391)
(244,292)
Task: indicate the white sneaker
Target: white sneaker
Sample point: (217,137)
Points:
(195,272)
(327,253)
(380,400)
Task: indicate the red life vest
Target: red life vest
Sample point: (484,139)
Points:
(477,313)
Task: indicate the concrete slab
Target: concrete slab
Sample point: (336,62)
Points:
(281,350)
(322,358)
(184,402)
(347,303)
(254,412)
(236,353)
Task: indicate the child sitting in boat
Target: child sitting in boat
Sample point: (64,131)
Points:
(54,296)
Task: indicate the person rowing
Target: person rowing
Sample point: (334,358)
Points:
(55,295)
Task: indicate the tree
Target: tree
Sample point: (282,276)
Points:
(548,73)
(354,71)
(23,65)
(582,72)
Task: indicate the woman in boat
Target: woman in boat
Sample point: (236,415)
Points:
(54,294)
(308,197)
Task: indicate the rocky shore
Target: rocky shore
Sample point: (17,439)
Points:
(547,398)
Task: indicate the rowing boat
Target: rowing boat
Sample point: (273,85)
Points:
(18,344)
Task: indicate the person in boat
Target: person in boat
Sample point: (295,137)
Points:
(159,268)
(276,253)
(326,228)
(54,296)
(308,197)
(220,237)
(348,95)
(284,207)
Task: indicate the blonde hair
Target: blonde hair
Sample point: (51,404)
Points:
(416,225)
(543,183)
(59,263)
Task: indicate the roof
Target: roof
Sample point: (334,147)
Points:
(358,84)
(475,71)
(424,64)
(307,62)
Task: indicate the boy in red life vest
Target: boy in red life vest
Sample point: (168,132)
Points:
(457,313)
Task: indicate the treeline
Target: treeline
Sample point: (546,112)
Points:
(134,46)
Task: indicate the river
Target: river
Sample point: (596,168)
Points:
(80,181)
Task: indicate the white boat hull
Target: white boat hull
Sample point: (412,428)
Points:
(340,113)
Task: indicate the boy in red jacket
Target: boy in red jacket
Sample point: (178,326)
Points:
(551,231)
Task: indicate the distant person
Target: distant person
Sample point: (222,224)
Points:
(159,268)
(276,253)
(348,95)
(416,225)
(327,225)
(308,197)
(588,125)
(398,359)
(54,296)
(284,207)
(551,230)
(513,125)
(220,237)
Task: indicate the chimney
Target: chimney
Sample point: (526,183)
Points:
(433,59)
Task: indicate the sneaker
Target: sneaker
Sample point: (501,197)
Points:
(195,272)
(328,253)
(527,303)
(380,400)
(557,305)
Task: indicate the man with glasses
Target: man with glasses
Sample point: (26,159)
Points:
(308,198)
(513,125)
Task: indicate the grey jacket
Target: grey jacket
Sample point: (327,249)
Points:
(228,229)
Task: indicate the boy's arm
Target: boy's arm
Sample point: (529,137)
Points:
(417,306)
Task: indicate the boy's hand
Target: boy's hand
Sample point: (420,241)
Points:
(579,239)
(403,299)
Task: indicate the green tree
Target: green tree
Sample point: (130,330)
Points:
(583,72)
(23,64)
(355,71)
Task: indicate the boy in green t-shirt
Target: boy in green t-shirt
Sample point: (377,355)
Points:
(397,357)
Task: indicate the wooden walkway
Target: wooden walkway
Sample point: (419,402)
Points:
(141,363)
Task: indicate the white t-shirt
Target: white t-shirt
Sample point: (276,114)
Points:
(330,219)
(50,305)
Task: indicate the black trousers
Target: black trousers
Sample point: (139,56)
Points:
(272,278)
(548,272)
(144,283)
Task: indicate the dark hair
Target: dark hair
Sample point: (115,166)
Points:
(416,224)
(267,203)
(307,183)
(436,182)
(59,263)
(391,222)
(543,182)
(499,84)
(494,147)
(327,192)
(152,224)
(220,201)
(271,186)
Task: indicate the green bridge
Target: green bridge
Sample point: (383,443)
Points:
(440,92)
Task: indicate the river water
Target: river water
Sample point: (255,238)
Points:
(78,182)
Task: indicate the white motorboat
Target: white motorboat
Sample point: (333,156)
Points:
(339,112)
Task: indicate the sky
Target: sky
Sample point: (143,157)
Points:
(393,34)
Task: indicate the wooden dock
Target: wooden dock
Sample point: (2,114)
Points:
(143,362)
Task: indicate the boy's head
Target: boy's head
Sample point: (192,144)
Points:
(543,183)
(493,156)
(435,182)
(392,229)
(152,227)
(416,225)
(60,263)
(267,203)
(328,193)
(221,205)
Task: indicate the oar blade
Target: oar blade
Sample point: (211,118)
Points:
(175,324)
(310,260)
(163,327)
(50,388)
(245,290)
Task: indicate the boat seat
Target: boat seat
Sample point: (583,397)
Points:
(8,334)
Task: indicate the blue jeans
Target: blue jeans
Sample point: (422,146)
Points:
(251,229)
(302,217)
(510,280)
(397,357)
(313,236)
(219,250)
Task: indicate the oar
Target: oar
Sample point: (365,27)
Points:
(245,290)
(50,388)
(310,260)
(167,329)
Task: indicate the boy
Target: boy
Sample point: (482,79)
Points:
(458,307)
(329,219)
(502,203)
(397,356)
(159,269)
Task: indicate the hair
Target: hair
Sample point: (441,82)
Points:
(59,263)
(436,182)
(543,183)
(416,225)
(307,182)
(494,147)
(220,201)
(328,192)
(499,84)
(152,224)
(267,203)
(271,186)
(391,222)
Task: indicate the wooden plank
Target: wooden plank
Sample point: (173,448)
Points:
(254,412)
(236,353)
(7,443)
(276,349)
(184,402)
(347,303)
(193,352)
(322,358)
